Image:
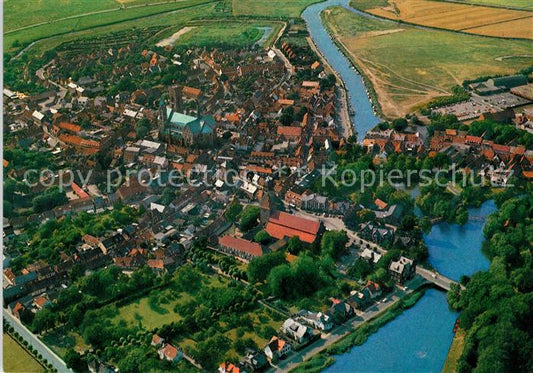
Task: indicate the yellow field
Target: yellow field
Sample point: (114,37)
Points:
(408,66)
(452,16)
(17,359)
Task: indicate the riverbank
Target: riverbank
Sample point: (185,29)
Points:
(347,126)
(370,89)
(456,349)
(357,337)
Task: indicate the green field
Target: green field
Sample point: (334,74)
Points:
(229,33)
(152,314)
(271,8)
(409,66)
(60,341)
(17,359)
(15,39)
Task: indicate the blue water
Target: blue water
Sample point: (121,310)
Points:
(416,341)
(454,250)
(364,117)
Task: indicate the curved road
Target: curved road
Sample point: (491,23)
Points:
(36,343)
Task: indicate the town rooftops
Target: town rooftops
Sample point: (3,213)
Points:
(242,245)
(290,131)
(280,225)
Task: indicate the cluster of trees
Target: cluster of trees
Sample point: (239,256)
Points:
(496,306)
(301,278)
(500,133)
(249,218)
(55,236)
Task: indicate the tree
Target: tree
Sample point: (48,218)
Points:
(233,211)
(142,128)
(259,268)
(333,243)
(295,245)
(262,237)
(360,269)
(249,217)
(75,361)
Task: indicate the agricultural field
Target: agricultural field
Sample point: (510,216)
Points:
(408,66)
(472,19)
(16,39)
(16,359)
(173,21)
(271,8)
(526,4)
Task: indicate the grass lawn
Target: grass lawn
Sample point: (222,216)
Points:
(60,341)
(206,34)
(17,359)
(271,8)
(409,66)
(456,349)
(96,20)
(152,314)
(174,20)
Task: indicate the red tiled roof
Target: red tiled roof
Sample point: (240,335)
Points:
(78,141)
(259,169)
(70,127)
(290,131)
(381,204)
(282,101)
(87,238)
(242,245)
(170,351)
(190,91)
(156,263)
(156,339)
(280,225)
(79,192)
(474,139)
(40,301)
(528,174)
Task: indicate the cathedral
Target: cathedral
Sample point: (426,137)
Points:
(183,129)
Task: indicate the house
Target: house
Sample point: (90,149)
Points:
(370,256)
(373,289)
(228,367)
(281,225)
(276,349)
(359,300)
(157,340)
(402,269)
(296,331)
(339,310)
(318,320)
(254,360)
(314,202)
(240,247)
(170,353)
(40,302)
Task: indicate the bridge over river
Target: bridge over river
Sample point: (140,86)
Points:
(439,280)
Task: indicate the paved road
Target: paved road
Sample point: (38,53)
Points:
(333,336)
(436,278)
(334,223)
(48,354)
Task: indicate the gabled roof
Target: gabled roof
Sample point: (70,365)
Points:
(242,245)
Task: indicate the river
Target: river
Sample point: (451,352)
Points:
(418,340)
(364,117)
